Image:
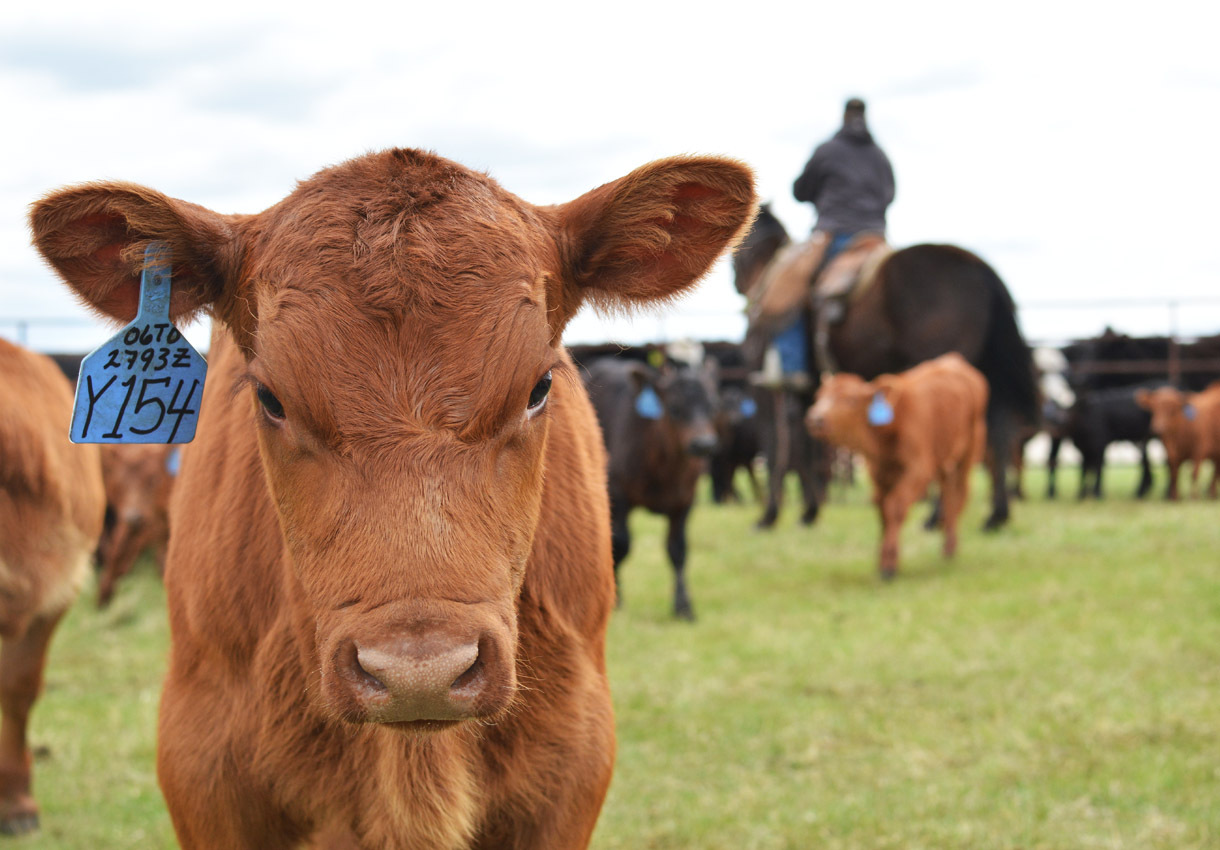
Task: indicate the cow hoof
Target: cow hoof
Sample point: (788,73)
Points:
(684,612)
(888,573)
(994,523)
(19,823)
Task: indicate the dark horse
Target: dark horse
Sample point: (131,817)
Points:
(924,301)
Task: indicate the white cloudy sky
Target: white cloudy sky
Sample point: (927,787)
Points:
(1073,145)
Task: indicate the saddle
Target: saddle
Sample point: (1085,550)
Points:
(789,280)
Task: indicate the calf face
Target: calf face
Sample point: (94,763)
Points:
(1170,409)
(688,396)
(839,414)
(399,317)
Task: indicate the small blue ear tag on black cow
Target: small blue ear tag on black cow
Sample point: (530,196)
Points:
(144,385)
(880,412)
(648,404)
(748,407)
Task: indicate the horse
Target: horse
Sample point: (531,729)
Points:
(919,302)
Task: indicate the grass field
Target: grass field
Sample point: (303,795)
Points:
(1057,686)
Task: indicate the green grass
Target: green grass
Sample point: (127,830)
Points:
(1055,686)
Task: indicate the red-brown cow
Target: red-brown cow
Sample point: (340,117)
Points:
(1188,425)
(389,578)
(923,425)
(138,478)
(51,506)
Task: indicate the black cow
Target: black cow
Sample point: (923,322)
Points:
(659,430)
(1097,419)
(737,434)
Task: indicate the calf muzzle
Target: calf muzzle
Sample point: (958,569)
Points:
(422,673)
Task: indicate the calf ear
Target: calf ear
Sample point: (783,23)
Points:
(650,235)
(94,236)
(1143,398)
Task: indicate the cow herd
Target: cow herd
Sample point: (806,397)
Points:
(397,538)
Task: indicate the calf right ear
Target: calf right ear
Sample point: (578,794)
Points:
(94,236)
(1144,399)
(649,236)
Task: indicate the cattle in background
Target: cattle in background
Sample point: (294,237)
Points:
(923,425)
(738,444)
(138,478)
(659,430)
(390,576)
(737,432)
(1097,419)
(51,506)
(1188,425)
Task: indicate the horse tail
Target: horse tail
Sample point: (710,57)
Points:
(1007,360)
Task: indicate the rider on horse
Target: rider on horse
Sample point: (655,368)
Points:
(850,183)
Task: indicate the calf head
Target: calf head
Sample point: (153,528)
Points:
(839,414)
(400,320)
(1170,408)
(688,403)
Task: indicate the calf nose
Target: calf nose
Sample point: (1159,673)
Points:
(410,679)
(702,445)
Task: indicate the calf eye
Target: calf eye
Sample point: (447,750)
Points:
(271,404)
(539,395)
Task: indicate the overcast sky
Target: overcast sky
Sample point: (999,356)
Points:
(1072,145)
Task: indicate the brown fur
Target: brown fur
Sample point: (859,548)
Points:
(138,484)
(938,433)
(51,506)
(1196,438)
(401,309)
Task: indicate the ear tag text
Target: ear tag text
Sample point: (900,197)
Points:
(648,404)
(144,385)
(880,411)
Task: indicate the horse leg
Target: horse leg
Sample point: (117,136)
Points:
(778,459)
(999,435)
(22,661)
(675,545)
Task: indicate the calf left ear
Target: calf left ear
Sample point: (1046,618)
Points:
(94,235)
(652,234)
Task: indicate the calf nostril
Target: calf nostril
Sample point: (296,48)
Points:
(349,655)
(470,676)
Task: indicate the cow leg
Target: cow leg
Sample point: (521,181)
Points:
(675,544)
(1052,466)
(1098,471)
(22,661)
(1145,472)
(126,546)
(1173,464)
(620,540)
(894,506)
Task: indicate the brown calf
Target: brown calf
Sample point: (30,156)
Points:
(1188,425)
(926,424)
(390,577)
(51,506)
(139,478)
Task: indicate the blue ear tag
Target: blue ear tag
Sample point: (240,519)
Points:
(880,412)
(144,385)
(1189,412)
(648,404)
(749,407)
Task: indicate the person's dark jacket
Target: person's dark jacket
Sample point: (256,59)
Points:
(849,181)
